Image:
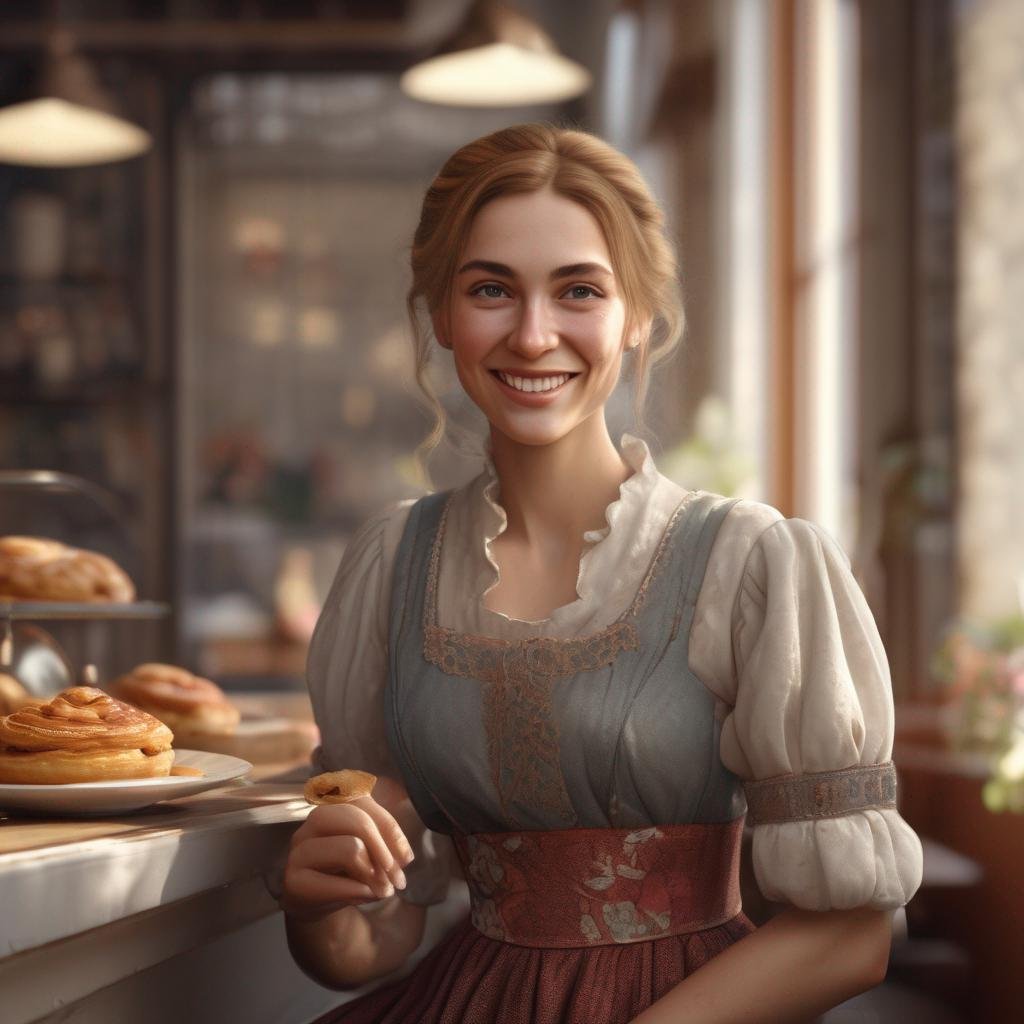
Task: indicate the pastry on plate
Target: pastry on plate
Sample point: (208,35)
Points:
(192,706)
(37,569)
(82,735)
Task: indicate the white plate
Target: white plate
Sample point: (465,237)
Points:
(93,798)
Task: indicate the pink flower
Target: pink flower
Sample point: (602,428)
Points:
(1017,683)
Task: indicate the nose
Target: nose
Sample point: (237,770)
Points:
(534,333)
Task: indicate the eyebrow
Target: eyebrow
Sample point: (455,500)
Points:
(569,270)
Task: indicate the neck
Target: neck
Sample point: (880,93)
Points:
(556,491)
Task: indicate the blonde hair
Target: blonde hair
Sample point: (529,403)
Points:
(575,164)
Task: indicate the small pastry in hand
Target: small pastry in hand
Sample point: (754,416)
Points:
(192,706)
(82,735)
(37,569)
(339,787)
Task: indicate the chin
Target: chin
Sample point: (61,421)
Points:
(531,440)
(535,434)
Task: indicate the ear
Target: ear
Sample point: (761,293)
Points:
(638,334)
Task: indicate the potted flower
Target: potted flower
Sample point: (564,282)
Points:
(982,666)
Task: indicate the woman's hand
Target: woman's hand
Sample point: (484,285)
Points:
(346,854)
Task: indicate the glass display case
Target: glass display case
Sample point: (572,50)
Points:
(84,387)
(299,196)
(83,642)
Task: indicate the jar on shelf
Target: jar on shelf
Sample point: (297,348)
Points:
(38,235)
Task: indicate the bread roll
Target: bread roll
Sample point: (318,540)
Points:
(193,707)
(37,569)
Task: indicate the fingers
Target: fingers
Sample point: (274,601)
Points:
(341,857)
(343,854)
(386,844)
(307,888)
(391,834)
(394,798)
(325,874)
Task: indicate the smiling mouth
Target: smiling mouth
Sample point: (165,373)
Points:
(534,385)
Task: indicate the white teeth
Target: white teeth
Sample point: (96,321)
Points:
(531,384)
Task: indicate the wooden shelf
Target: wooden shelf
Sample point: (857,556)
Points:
(121,392)
(90,611)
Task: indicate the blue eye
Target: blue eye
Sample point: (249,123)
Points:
(489,291)
(582,291)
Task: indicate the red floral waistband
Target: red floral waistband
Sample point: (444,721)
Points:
(601,886)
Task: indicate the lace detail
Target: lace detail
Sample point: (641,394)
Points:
(821,794)
(519,675)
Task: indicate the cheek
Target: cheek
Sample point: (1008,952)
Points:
(604,340)
(608,326)
(467,336)
(474,330)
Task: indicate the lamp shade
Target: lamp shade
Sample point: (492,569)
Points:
(497,58)
(74,121)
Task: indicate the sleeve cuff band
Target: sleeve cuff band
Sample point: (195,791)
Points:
(821,794)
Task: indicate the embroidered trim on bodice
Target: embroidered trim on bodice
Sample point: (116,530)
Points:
(521,730)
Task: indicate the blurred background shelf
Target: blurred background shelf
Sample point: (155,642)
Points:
(42,611)
(117,392)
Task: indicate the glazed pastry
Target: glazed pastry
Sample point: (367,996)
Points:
(339,787)
(82,735)
(12,694)
(192,706)
(36,569)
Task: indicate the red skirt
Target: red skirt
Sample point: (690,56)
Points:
(581,926)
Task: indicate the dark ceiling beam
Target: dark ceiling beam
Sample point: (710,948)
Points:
(223,35)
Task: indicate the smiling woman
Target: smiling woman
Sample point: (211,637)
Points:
(536,323)
(618,256)
(570,675)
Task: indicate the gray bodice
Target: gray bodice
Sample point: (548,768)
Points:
(610,730)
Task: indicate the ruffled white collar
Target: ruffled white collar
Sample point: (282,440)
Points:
(611,566)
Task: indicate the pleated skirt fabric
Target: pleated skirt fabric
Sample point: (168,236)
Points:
(469,978)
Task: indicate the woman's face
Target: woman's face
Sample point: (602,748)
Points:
(537,317)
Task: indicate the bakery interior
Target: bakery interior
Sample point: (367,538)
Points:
(206,378)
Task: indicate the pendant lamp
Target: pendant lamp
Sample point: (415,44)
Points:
(497,58)
(74,120)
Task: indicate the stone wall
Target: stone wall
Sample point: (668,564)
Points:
(991,305)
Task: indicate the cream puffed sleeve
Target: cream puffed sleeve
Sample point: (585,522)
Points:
(346,669)
(808,725)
